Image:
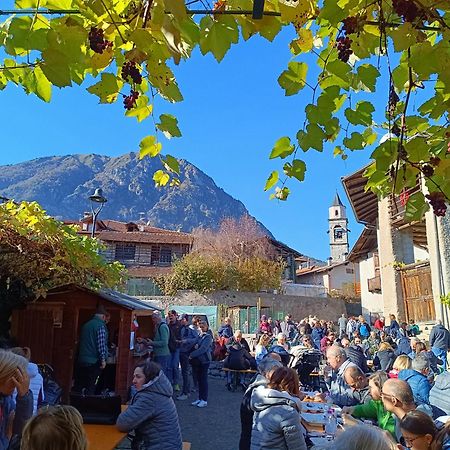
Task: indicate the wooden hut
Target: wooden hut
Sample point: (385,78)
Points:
(50,327)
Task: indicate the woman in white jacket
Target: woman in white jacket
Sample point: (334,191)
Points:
(276,423)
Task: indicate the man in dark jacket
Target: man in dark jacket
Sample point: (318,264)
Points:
(189,337)
(92,352)
(265,367)
(440,342)
(174,347)
(355,354)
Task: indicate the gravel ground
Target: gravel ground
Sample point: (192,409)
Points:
(216,427)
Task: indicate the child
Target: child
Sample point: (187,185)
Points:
(55,428)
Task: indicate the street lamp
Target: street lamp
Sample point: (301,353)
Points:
(96,198)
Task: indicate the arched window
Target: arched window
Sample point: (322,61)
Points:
(338,232)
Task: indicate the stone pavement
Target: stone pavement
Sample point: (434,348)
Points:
(216,427)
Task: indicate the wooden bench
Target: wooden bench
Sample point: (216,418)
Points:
(235,376)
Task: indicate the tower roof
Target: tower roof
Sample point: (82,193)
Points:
(337,201)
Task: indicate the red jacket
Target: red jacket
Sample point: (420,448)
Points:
(379,324)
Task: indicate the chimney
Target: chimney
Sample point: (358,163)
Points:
(142,217)
(344,256)
(87,214)
(329,260)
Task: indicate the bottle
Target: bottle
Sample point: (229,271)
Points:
(328,399)
(331,423)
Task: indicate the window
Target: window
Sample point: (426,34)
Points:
(166,255)
(349,271)
(338,232)
(336,212)
(125,251)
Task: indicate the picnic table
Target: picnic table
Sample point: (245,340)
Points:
(313,418)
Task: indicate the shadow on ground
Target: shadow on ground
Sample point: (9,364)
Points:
(216,427)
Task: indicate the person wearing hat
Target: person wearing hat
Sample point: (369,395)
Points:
(189,337)
(92,352)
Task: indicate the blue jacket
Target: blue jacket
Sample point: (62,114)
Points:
(203,348)
(225,331)
(419,384)
(317,335)
(440,337)
(189,335)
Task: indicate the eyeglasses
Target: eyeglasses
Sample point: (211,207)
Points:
(408,442)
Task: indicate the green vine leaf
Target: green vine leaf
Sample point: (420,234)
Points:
(272,180)
(294,79)
(169,126)
(107,89)
(295,170)
(149,146)
(161,178)
(282,148)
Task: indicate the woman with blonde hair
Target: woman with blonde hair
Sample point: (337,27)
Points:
(384,357)
(402,362)
(55,428)
(276,424)
(13,375)
(261,347)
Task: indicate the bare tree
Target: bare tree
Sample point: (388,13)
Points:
(235,240)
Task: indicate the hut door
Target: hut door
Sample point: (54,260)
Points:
(36,331)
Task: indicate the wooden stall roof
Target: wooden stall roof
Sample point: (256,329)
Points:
(364,203)
(124,300)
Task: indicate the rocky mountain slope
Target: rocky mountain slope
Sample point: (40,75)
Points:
(62,185)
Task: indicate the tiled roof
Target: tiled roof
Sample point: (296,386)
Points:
(147,271)
(144,237)
(318,269)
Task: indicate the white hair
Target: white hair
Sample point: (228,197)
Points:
(362,437)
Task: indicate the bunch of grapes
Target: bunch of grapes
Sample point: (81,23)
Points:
(393,100)
(435,160)
(427,170)
(129,101)
(97,40)
(437,201)
(350,24)
(129,69)
(407,9)
(343,46)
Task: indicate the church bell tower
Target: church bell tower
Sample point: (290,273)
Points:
(338,231)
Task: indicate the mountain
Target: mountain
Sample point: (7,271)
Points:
(62,185)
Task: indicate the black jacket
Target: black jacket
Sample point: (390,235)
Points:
(356,355)
(239,358)
(384,360)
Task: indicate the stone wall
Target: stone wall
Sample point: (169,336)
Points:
(299,307)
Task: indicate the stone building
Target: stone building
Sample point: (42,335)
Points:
(404,265)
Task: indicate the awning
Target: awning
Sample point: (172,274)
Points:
(364,203)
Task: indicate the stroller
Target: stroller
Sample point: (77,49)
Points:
(305,362)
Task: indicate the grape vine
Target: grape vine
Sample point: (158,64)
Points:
(132,49)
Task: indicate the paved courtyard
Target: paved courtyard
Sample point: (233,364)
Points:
(216,427)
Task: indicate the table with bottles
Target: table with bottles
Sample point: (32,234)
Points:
(321,421)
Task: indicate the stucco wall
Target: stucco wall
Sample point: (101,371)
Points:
(299,307)
(371,302)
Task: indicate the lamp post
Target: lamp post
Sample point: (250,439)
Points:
(96,198)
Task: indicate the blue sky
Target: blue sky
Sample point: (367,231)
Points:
(232,114)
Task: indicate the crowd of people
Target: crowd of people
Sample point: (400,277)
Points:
(393,388)
(377,373)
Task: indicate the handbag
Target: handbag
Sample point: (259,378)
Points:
(97,409)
